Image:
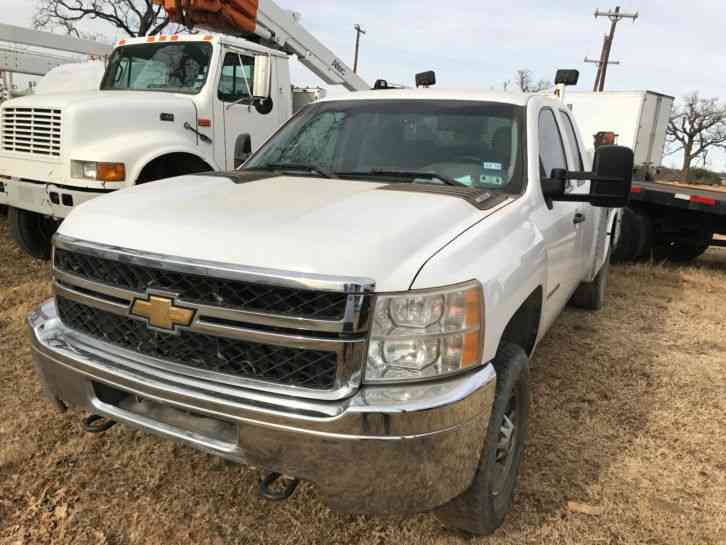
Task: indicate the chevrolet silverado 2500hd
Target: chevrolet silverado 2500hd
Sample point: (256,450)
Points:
(355,307)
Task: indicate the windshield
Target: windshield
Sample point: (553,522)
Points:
(477,144)
(179,67)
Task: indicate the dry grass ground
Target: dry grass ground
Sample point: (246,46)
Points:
(629,417)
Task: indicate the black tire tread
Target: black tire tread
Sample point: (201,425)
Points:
(27,232)
(476,511)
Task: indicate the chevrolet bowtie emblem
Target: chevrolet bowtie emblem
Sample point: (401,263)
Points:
(161,313)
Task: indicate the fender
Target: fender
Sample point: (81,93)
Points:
(160,152)
(508,277)
(136,154)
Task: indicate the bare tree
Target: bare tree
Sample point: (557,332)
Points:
(696,126)
(524,79)
(133,17)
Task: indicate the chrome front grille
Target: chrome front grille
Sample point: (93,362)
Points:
(32,130)
(297,334)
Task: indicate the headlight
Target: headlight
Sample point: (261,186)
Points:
(425,334)
(103,172)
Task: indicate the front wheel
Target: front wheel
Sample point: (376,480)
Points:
(32,232)
(482,508)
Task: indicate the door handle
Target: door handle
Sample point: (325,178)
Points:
(579,218)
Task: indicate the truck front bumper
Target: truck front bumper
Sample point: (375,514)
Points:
(43,198)
(386,449)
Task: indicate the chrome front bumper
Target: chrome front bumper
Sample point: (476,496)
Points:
(383,450)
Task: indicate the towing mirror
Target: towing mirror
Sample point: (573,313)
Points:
(613,169)
(610,179)
(261,87)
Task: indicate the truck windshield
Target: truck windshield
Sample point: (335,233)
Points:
(477,144)
(177,67)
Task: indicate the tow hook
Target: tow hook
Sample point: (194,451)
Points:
(96,423)
(284,489)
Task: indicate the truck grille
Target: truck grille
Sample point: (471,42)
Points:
(281,365)
(296,334)
(32,130)
(255,297)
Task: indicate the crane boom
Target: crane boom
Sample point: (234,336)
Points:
(268,23)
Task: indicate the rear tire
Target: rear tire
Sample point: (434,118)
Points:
(482,508)
(680,253)
(592,295)
(636,236)
(32,232)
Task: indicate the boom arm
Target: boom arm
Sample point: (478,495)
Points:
(270,24)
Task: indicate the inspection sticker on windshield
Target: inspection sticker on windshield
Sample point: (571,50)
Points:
(492,166)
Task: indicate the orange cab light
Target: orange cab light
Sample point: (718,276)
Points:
(208,38)
(121,42)
(174,38)
(162,38)
(110,172)
(204,122)
(151,39)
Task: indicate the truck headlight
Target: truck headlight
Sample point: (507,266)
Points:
(426,333)
(102,172)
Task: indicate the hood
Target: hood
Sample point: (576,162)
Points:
(301,224)
(94,98)
(101,125)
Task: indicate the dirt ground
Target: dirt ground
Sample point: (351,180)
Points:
(628,418)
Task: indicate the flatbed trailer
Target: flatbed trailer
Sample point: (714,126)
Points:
(671,222)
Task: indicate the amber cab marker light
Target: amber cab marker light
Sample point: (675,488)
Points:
(111,172)
(204,122)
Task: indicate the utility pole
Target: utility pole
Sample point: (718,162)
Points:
(615,17)
(599,63)
(358,32)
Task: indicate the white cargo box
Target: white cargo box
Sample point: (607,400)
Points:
(638,118)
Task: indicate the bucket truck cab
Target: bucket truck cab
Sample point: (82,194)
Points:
(167,105)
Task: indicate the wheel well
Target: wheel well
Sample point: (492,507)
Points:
(523,327)
(170,165)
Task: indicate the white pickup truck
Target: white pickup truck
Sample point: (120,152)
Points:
(356,306)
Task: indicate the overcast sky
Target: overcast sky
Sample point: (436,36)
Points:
(674,47)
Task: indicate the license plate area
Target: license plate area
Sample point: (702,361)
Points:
(201,431)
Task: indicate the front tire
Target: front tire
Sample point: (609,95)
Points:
(482,508)
(32,232)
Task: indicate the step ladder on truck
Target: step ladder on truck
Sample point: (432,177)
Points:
(167,106)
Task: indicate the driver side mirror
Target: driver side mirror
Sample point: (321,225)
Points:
(610,180)
(262,81)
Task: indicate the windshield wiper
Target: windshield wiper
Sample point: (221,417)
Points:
(310,167)
(412,174)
